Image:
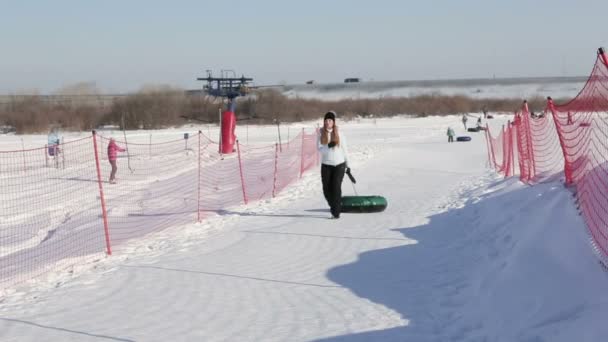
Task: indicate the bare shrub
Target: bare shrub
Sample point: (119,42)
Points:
(26,114)
(276,105)
(152,107)
(270,104)
(71,108)
(79,107)
(202,108)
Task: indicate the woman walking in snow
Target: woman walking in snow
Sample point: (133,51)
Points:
(113,150)
(334,162)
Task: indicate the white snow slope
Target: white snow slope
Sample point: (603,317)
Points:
(459,255)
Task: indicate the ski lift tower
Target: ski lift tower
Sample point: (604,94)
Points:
(228,88)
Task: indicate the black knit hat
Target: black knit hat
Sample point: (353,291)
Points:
(330,115)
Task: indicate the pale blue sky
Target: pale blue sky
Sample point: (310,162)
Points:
(124,45)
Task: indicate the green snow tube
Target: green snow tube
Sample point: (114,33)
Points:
(363,204)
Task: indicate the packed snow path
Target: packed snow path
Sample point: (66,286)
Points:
(282,271)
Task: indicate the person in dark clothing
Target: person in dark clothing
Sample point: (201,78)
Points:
(334,162)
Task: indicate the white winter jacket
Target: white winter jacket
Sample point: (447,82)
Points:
(336,155)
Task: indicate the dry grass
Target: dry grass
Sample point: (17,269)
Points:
(33,114)
(160,107)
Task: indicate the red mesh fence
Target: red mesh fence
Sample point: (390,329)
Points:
(495,149)
(49,210)
(156,186)
(501,150)
(58,208)
(571,138)
(511,150)
(531,142)
(582,125)
(524,145)
(542,150)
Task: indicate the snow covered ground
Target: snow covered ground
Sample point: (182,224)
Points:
(481,89)
(459,255)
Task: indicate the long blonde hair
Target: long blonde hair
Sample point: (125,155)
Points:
(335,137)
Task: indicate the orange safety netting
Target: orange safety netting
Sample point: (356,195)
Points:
(58,207)
(540,153)
(501,152)
(582,125)
(571,138)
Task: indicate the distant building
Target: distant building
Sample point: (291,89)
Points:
(352,80)
(310,82)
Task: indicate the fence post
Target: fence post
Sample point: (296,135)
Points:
(486,133)
(104,212)
(62,153)
(504,149)
(23,150)
(492,150)
(276,164)
(198,201)
(509,171)
(513,128)
(532,164)
(302,155)
(560,135)
(602,55)
(46,154)
(279,134)
(238,148)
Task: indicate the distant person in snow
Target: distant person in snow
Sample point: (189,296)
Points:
(451,134)
(113,150)
(479,122)
(334,162)
(464,121)
(485,112)
(53,142)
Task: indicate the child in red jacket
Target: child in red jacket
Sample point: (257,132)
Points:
(113,150)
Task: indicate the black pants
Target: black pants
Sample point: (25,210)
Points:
(450,138)
(331,177)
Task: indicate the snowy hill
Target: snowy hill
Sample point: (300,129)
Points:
(459,255)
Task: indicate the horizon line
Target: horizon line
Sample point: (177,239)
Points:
(363,82)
